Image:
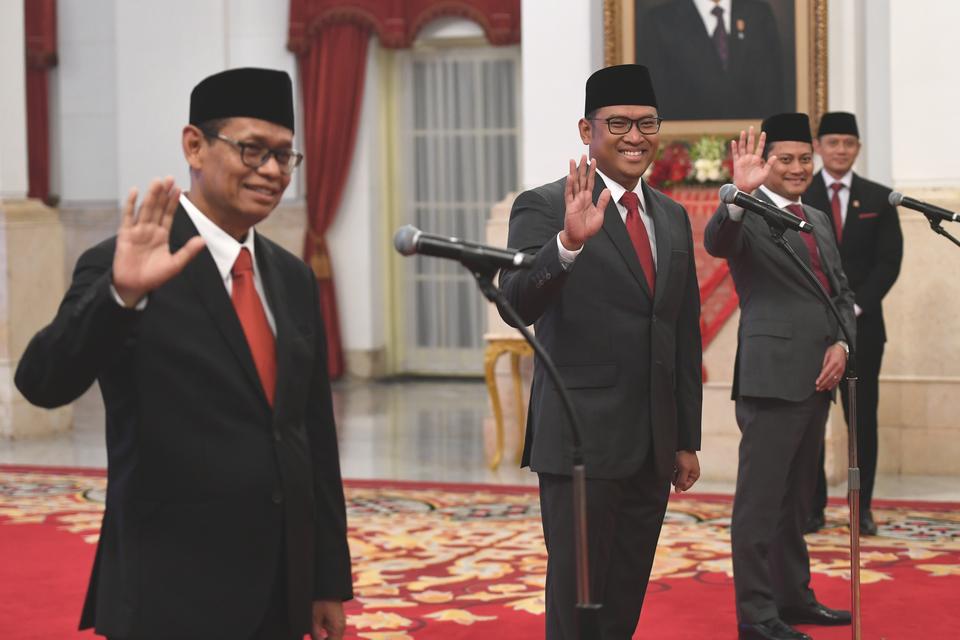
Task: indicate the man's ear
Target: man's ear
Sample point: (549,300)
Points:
(816,146)
(586,133)
(194,143)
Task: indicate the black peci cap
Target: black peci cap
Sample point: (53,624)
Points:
(842,122)
(794,127)
(265,94)
(621,84)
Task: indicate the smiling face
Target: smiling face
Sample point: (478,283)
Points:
(234,196)
(792,171)
(839,151)
(624,157)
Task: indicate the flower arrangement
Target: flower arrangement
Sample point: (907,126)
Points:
(704,162)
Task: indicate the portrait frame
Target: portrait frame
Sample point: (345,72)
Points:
(810,56)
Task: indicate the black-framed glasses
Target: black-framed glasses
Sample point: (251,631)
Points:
(256,155)
(620,126)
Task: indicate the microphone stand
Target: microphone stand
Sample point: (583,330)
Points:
(588,612)
(935,225)
(853,471)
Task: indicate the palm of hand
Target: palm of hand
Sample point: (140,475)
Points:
(750,171)
(143,260)
(583,218)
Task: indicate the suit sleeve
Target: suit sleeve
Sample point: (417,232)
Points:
(332,574)
(534,226)
(90,328)
(843,296)
(689,369)
(886,268)
(724,237)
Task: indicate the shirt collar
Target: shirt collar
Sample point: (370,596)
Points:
(779,200)
(617,191)
(705,8)
(222,246)
(846,180)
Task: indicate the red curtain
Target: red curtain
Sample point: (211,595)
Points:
(331,77)
(40,29)
(330,38)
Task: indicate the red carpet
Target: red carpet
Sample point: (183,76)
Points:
(467,561)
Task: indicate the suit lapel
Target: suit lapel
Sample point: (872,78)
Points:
(853,207)
(203,275)
(792,237)
(615,228)
(661,227)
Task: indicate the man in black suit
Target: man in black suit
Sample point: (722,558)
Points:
(614,297)
(871,247)
(714,59)
(225,512)
(790,357)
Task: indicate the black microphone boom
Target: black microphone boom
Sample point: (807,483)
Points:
(731,195)
(897,199)
(409,240)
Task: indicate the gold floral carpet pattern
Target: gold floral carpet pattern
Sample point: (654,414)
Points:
(467,561)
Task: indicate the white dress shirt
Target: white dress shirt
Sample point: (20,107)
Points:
(224,248)
(616,192)
(704,7)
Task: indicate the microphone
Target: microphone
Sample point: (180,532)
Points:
(409,240)
(897,199)
(731,195)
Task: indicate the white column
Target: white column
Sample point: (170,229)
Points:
(13,103)
(562,41)
(31,242)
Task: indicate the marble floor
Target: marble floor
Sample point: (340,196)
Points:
(425,430)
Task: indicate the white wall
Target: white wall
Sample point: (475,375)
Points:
(562,45)
(357,238)
(124,80)
(924,92)
(13,108)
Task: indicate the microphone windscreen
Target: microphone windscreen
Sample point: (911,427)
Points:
(728,193)
(895,198)
(405,239)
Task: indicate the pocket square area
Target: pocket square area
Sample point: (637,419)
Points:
(865,216)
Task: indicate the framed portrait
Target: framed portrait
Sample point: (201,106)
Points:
(719,66)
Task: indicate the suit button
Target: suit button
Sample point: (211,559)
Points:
(277,496)
(276,435)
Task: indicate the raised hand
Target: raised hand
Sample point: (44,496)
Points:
(750,170)
(582,218)
(142,261)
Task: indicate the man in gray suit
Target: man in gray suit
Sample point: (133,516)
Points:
(613,292)
(791,355)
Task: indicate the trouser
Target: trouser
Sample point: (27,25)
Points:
(776,476)
(624,519)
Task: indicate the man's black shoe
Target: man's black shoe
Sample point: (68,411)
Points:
(815,613)
(867,526)
(814,523)
(774,629)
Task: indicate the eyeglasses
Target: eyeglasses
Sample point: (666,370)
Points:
(255,155)
(620,126)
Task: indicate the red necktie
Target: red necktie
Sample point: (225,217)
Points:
(253,319)
(835,206)
(815,265)
(639,237)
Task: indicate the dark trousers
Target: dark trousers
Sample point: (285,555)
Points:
(779,445)
(868,398)
(624,519)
